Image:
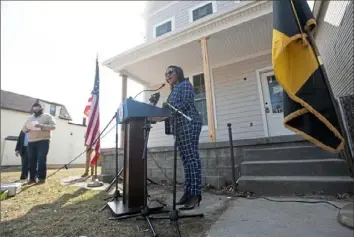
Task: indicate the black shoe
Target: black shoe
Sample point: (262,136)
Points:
(41,181)
(183,199)
(192,202)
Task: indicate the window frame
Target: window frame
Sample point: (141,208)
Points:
(50,110)
(190,77)
(202,4)
(171,19)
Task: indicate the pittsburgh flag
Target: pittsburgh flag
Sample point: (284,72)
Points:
(308,109)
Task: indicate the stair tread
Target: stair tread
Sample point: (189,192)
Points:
(291,161)
(297,178)
(280,148)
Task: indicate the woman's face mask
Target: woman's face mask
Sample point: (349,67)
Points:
(37,111)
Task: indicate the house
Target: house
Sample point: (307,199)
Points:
(67,140)
(224,48)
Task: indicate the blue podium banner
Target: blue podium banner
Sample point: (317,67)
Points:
(132,109)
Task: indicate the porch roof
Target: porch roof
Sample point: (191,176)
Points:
(234,35)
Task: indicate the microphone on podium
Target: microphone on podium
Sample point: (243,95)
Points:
(149,90)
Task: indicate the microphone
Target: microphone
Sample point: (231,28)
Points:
(149,90)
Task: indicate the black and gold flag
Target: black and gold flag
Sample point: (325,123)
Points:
(308,108)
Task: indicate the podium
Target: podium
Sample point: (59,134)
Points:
(133,115)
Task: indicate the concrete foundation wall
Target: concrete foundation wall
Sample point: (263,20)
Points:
(215,158)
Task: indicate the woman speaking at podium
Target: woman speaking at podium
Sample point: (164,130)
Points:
(187,135)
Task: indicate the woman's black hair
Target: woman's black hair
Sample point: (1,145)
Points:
(37,104)
(179,72)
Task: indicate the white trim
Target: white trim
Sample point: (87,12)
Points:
(159,9)
(202,4)
(237,60)
(171,19)
(237,1)
(190,77)
(190,33)
(134,77)
(261,99)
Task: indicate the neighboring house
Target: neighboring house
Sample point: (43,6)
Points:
(67,140)
(224,48)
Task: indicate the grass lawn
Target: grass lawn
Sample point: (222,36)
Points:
(53,210)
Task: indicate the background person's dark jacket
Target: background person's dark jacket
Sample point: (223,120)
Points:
(20,144)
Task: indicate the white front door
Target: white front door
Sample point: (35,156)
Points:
(273,105)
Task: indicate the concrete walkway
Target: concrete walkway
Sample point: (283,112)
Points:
(262,218)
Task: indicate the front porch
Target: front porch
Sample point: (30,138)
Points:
(222,54)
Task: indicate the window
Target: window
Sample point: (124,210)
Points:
(201,11)
(164,27)
(200,96)
(53,110)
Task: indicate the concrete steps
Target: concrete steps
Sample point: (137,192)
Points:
(318,167)
(289,185)
(287,153)
(293,170)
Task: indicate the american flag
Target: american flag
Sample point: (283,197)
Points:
(92,139)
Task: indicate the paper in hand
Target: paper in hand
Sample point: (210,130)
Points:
(32,127)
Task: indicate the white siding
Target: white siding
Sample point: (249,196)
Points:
(334,38)
(236,101)
(181,14)
(66,143)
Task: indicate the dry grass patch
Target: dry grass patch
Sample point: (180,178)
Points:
(53,210)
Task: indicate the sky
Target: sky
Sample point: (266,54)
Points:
(49,48)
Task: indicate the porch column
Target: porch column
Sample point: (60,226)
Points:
(124,96)
(208,78)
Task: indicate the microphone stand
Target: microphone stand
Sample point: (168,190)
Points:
(174,215)
(149,91)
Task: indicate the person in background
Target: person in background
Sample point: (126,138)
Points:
(21,149)
(38,126)
(88,162)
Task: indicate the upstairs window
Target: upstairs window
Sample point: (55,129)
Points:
(203,10)
(163,27)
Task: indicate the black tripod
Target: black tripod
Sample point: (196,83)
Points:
(145,209)
(174,215)
(118,176)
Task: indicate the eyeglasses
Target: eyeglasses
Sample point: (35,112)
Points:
(169,73)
